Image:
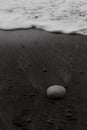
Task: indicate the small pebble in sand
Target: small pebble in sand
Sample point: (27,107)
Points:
(32,94)
(50,121)
(56,91)
(44,70)
(68,114)
(28,120)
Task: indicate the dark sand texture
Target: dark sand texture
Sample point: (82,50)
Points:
(30,62)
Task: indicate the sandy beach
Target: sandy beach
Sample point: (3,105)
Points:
(31,61)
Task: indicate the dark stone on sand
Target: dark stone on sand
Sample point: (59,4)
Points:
(32,94)
(28,120)
(50,121)
(68,114)
(44,70)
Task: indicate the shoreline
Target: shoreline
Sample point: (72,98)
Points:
(74,32)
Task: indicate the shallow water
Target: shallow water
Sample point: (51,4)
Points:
(65,16)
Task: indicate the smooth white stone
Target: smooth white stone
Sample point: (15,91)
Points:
(56,91)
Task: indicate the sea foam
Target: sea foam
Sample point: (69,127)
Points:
(65,16)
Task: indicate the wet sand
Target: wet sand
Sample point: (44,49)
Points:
(30,62)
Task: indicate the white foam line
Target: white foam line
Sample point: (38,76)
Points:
(47,26)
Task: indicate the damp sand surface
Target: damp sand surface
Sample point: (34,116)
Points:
(30,62)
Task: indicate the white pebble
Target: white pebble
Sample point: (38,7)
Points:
(56,91)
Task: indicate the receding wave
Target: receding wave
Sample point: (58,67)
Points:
(65,16)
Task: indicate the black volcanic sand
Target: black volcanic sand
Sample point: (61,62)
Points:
(30,62)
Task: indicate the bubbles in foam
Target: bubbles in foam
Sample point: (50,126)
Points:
(67,16)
